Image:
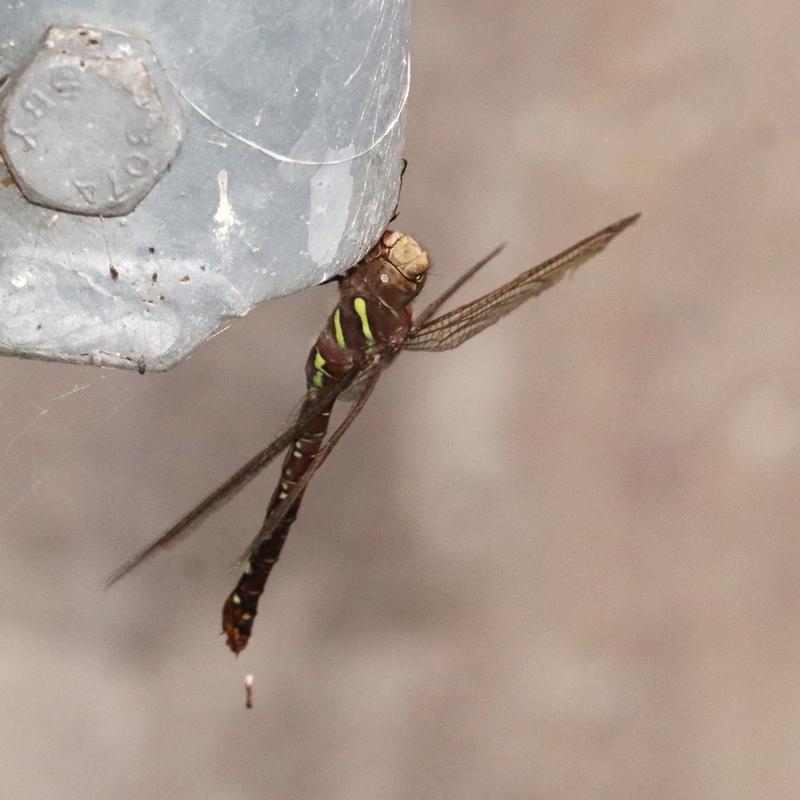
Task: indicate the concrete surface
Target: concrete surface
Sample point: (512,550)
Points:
(562,562)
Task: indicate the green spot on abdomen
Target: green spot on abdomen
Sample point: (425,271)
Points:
(319,362)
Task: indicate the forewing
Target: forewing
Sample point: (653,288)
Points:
(226,491)
(431,309)
(369,379)
(455,327)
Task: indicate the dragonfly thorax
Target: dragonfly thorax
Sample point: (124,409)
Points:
(396,269)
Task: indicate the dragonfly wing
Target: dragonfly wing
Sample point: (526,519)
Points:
(370,378)
(353,391)
(455,327)
(431,309)
(231,487)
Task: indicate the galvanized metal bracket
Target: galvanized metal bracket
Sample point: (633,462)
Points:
(164,172)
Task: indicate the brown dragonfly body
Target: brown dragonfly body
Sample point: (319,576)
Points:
(372,314)
(369,326)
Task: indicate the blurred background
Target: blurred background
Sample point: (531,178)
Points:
(561,562)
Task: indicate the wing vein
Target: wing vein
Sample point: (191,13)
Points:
(457,326)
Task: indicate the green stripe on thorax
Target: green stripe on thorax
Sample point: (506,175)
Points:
(337,327)
(360,306)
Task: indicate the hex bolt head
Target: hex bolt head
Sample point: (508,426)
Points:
(91,124)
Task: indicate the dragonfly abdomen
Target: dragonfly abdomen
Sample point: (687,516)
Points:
(372,313)
(241,606)
(346,338)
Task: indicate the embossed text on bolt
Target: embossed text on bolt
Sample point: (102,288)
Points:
(91,124)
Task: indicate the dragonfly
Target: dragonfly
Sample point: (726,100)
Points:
(369,327)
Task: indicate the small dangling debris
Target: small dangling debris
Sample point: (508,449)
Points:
(248,691)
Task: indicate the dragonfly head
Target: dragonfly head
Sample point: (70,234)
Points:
(397,267)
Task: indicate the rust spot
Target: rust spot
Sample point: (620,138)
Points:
(154,277)
(113,271)
(7,181)
(185,279)
(151,250)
